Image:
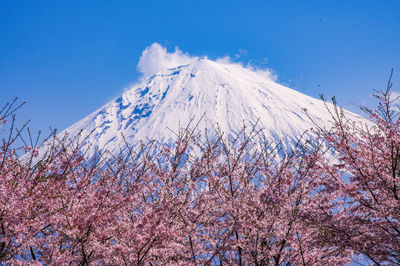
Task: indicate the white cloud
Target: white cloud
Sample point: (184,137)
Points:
(261,70)
(224,60)
(241,53)
(264,72)
(156,58)
(267,72)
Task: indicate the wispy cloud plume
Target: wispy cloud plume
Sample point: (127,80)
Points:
(262,71)
(156,58)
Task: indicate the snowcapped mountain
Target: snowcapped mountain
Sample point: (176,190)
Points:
(229,95)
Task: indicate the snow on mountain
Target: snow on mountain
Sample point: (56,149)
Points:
(229,95)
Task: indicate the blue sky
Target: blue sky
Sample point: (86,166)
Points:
(66,59)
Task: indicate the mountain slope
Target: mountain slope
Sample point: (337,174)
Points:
(228,94)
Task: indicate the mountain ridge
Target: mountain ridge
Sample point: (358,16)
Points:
(228,94)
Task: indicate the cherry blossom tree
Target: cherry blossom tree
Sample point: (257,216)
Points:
(249,207)
(211,200)
(359,193)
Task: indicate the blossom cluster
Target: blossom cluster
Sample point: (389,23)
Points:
(240,201)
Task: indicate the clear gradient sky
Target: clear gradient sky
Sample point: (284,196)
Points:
(68,58)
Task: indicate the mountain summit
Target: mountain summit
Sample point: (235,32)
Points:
(229,95)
